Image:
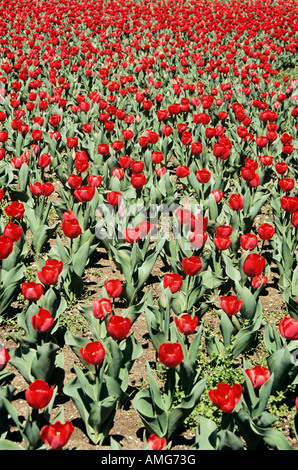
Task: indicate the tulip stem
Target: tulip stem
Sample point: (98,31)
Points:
(187,292)
(170,387)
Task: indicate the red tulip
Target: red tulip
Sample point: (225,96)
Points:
(39,394)
(203,175)
(144,228)
(222,242)
(186,138)
(54,264)
(138,180)
(70,225)
(114,198)
(196,148)
(15,209)
(222,148)
(186,324)
(157,157)
(137,166)
(118,327)
(74,181)
(32,291)
(254,264)
(224,230)
(6,247)
(295,220)
(117,145)
(42,321)
(94,180)
(93,353)
(113,287)
(3,136)
(218,195)
(191,266)
(258,375)
(173,281)
(289,203)
(248,241)
(261,141)
(44,160)
(258,281)
(72,142)
(170,354)
(286,184)
(225,396)
(281,168)
(36,135)
(55,120)
(48,275)
(84,193)
(230,304)
(266,231)
(81,162)
(236,202)
(103,149)
(182,171)
(56,435)
(288,328)
(132,235)
(156,443)
(198,238)
(102,308)
(4,358)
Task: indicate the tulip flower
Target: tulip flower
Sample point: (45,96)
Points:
(258,375)
(6,246)
(138,180)
(222,242)
(186,324)
(266,231)
(32,291)
(288,328)
(113,288)
(170,354)
(4,357)
(56,435)
(74,181)
(225,396)
(156,443)
(191,266)
(39,394)
(70,225)
(182,171)
(15,210)
(84,193)
(93,353)
(173,281)
(236,202)
(42,321)
(118,327)
(48,275)
(230,304)
(114,198)
(102,308)
(203,175)
(248,241)
(253,265)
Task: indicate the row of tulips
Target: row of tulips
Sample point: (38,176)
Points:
(106,126)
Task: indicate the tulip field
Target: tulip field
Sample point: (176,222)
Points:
(148,225)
